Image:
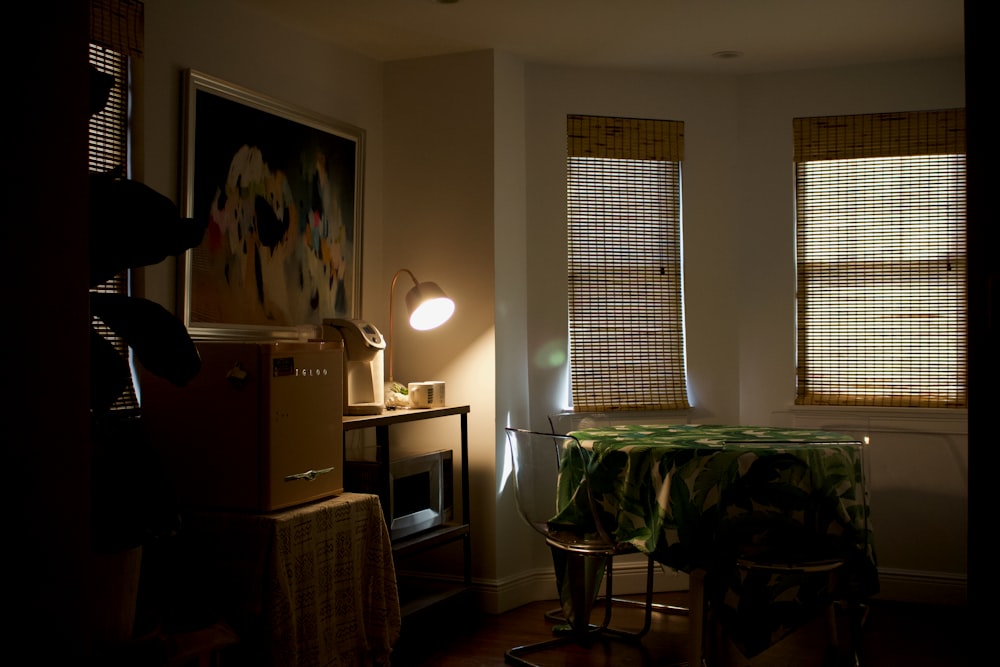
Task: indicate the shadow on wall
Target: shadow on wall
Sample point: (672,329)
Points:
(920,531)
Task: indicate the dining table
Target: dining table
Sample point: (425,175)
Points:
(696,498)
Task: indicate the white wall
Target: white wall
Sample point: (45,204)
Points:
(918,472)
(439,211)
(517,550)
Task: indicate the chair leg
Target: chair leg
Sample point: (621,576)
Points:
(557,615)
(832,637)
(647,604)
(654,606)
(590,632)
(707,647)
(574,634)
(857,614)
(513,656)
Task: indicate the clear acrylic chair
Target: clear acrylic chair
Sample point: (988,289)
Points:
(565,422)
(538,459)
(786,568)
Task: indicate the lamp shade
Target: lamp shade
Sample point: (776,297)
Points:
(426,304)
(429,307)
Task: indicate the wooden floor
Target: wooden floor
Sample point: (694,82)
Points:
(895,635)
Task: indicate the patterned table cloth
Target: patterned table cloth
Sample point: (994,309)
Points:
(311,586)
(699,496)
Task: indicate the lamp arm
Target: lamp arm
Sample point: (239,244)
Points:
(392,292)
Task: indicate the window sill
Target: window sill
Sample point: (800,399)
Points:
(884,420)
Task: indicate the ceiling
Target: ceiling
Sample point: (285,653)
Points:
(680,35)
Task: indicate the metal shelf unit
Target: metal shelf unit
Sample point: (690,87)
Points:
(419,594)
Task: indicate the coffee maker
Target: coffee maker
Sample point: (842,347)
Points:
(364,345)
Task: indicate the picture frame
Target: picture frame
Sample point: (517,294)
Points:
(283,190)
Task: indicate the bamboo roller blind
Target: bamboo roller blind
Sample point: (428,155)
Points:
(625,138)
(118,25)
(116,34)
(881,259)
(624,264)
(880,135)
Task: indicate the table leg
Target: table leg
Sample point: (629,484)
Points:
(696,616)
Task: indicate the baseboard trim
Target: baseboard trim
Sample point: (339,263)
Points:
(938,588)
(540,584)
(922,587)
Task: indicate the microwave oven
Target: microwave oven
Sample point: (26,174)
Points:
(420,493)
(260,428)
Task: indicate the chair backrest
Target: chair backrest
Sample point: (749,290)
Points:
(789,545)
(564,422)
(567,422)
(552,490)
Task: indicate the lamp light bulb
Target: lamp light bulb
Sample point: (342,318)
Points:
(432,313)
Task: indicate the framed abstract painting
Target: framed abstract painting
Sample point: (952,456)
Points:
(282,190)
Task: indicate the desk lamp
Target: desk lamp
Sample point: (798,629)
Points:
(428,307)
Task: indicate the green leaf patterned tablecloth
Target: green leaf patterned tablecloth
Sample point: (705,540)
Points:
(699,496)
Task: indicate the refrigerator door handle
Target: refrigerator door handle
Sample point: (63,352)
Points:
(308,475)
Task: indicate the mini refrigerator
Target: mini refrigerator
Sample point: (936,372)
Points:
(260,428)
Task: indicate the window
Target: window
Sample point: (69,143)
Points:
(116,32)
(626,325)
(881,260)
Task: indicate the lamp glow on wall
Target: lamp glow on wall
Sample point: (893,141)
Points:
(427,305)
